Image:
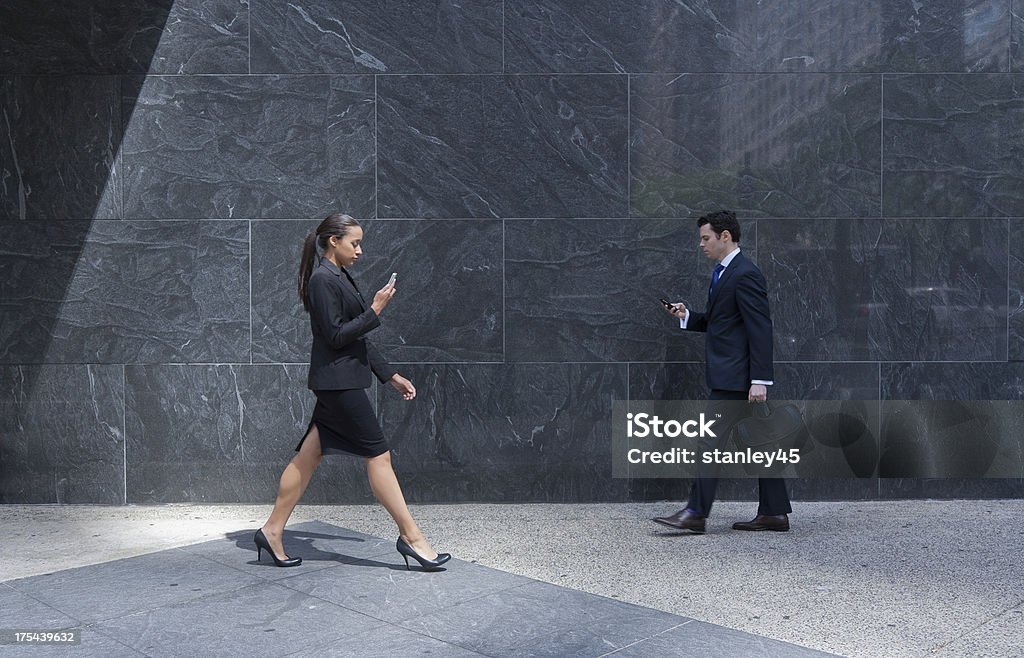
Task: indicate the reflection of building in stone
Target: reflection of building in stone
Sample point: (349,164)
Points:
(982,49)
(760,114)
(681,112)
(773,91)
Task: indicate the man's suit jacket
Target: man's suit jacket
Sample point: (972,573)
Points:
(738,347)
(341,358)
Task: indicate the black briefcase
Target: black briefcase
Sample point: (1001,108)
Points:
(772,427)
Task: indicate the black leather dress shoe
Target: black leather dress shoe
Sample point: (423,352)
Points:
(683,520)
(778,523)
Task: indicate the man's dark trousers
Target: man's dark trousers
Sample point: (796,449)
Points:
(771,491)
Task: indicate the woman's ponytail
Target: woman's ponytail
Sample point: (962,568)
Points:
(306,268)
(334,225)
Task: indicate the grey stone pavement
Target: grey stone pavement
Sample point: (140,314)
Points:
(894,578)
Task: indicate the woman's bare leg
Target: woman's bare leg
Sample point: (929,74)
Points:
(385,487)
(294,480)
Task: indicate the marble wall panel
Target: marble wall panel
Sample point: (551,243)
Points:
(952,381)
(62,434)
(59,141)
(982,441)
(662,36)
(320,36)
(800,490)
(448,305)
(1015,294)
(926,290)
(793,381)
(124,292)
(952,146)
(210,147)
(501,146)
(950,489)
(956,36)
(280,326)
(833,455)
(664,381)
(808,489)
(588,290)
(98,37)
(813,120)
(613,37)
(201,38)
(224,434)
(498,433)
(1017,36)
(773,145)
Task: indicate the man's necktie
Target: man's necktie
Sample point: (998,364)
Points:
(714,278)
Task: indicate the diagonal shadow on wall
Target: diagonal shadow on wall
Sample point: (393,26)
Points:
(70,74)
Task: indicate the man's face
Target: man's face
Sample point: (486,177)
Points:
(713,246)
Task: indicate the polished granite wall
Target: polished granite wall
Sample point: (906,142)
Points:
(531,169)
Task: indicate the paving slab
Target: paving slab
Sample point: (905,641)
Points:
(355,596)
(871,578)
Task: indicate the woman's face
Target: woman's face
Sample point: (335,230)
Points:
(348,248)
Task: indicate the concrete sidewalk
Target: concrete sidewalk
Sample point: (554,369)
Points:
(859,579)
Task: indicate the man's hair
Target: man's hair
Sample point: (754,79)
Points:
(722,220)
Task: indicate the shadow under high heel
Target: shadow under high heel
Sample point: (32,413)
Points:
(262,542)
(407,552)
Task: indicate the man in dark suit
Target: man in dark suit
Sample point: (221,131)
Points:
(738,350)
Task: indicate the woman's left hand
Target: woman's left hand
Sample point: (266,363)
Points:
(403,386)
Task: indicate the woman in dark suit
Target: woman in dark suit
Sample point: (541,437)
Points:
(340,366)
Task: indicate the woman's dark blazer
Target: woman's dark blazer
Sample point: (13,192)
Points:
(341,357)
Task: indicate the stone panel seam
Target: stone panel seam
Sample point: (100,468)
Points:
(878,429)
(629,146)
(633,644)
(504,309)
(250,294)
(124,430)
(881,148)
(1009,40)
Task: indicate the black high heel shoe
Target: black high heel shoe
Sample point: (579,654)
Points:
(407,552)
(261,543)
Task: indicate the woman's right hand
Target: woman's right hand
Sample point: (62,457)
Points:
(383,298)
